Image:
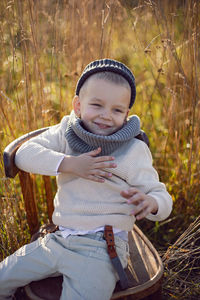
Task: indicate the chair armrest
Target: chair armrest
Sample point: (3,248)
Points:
(10,168)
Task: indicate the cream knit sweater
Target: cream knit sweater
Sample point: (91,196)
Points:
(82,204)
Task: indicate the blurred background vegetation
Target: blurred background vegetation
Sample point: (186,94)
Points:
(44,46)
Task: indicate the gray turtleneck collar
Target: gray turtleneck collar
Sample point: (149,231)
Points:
(82,141)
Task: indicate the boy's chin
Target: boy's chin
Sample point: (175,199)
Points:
(103,132)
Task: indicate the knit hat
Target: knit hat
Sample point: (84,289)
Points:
(109,65)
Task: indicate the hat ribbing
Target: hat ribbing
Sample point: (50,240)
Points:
(109,65)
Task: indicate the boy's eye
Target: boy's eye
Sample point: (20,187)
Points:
(95,104)
(118,110)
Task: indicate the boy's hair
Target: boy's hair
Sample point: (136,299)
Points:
(107,76)
(108,65)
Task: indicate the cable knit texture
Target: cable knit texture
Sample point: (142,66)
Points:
(82,141)
(82,204)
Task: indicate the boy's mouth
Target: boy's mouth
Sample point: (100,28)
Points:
(102,126)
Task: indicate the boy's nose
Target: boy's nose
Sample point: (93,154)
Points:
(105,115)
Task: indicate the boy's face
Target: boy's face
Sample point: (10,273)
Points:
(103,106)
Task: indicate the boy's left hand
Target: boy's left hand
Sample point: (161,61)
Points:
(144,204)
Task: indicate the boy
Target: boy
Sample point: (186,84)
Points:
(105,177)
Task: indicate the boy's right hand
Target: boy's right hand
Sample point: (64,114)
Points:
(88,166)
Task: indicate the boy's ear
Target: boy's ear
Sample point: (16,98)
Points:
(127,114)
(76,106)
(126,117)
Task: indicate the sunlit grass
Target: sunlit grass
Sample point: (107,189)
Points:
(44,47)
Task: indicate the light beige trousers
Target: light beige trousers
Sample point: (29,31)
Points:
(82,260)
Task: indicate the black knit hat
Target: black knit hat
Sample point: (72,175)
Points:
(110,65)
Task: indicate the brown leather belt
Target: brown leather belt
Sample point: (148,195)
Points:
(110,240)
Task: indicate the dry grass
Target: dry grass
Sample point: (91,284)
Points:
(182,269)
(44,47)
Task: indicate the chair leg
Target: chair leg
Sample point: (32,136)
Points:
(155,296)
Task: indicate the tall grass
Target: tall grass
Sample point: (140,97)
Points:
(44,47)
(181,262)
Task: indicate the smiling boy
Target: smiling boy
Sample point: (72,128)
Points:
(102,105)
(105,177)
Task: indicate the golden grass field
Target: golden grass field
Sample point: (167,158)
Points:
(44,46)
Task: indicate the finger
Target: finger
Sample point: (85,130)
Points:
(104,165)
(129,192)
(95,178)
(140,208)
(101,173)
(125,194)
(136,199)
(94,152)
(128,196)
(104,158)
(143,214)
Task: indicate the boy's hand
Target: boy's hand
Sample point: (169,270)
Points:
(88,166)
(144,204)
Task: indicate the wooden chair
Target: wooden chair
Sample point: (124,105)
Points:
(145,268)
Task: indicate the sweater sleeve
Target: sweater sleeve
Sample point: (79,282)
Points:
(146,179)
(43,153)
